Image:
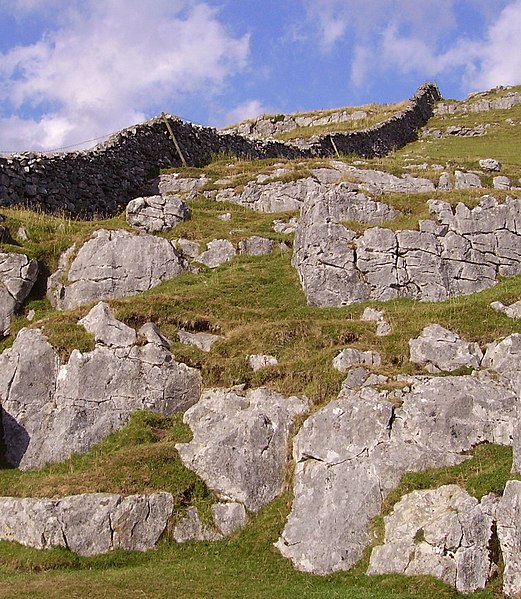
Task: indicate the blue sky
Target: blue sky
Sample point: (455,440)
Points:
(74,70)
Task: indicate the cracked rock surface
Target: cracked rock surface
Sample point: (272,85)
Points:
(240,442)
(509,533)
(154,214)
(440,349)
(464,252)
(17,277)
(113,264)
(50,411)
(87,524)
(443,532)
(352,452)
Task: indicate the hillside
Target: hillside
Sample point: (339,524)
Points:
(406,234)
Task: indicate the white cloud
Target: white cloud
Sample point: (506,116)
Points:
(244,111)
(109,64)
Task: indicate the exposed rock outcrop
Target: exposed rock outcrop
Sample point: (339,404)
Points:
(87,524)
(113,264)
(219,251)
(240,442)
(353,451)
(443,532)
(509,533)
(50,411)
(440,349)
(17,276)
(464,253)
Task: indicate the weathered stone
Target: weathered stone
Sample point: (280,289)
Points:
(191,528)
(356,377)
(17,277)
(509,533)
(175,183)
(490,164)
(354,357)
(501,182)
(203,341)
(87,524)
(106,329)
(440,349)
(188,248)
(219,251)
(256,246)
(240,442)
(466,180)
(113,264)
(444,182)
(442,533)
(353,451)
(154,214)
(257,361)
(50,412)
(383,328)
(512,311)
(280,226)
(229,517)
(380,182)
(466,252)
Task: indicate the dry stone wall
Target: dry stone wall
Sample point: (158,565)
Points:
(101,180)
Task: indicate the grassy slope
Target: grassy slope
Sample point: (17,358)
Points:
(258,305)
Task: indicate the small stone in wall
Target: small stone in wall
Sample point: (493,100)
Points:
(157,213)
(257,361)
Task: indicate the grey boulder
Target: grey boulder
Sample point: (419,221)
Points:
(87,524)
(154,214)
(240,442)
(113,264)
(51,411)
(219,251)
(490,164)
(440,349)
(512,311)
(203,341)
(509,533)
(354,357)
(256,246)
(443,533)
(17,276)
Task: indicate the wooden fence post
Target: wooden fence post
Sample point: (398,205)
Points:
(171,133)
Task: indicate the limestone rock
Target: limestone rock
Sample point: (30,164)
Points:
(383,328)
(219,251)
(353,357)
(87,524)
(353,451)
(188,248)
(380,182)
(466,180)
(191,528)
(257,361)
(175,183)
(106,329)
(509,533)
(512,311)
(113,264)
(501,182)
(203,341)
(442,533)
(51,411)
(17,277)
(229,517)
(240,442)
(256,246)
(490,164)
(444,182)
(154,214)
(280,226)
(440,349)
(465,252)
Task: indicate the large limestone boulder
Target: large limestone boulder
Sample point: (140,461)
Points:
(509,533)
(465,252)
(440,349)
(444,533)
(113,264)
(240,442)
(17,277)
(154,214)
(50,411)
(87,524)
(352,452)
